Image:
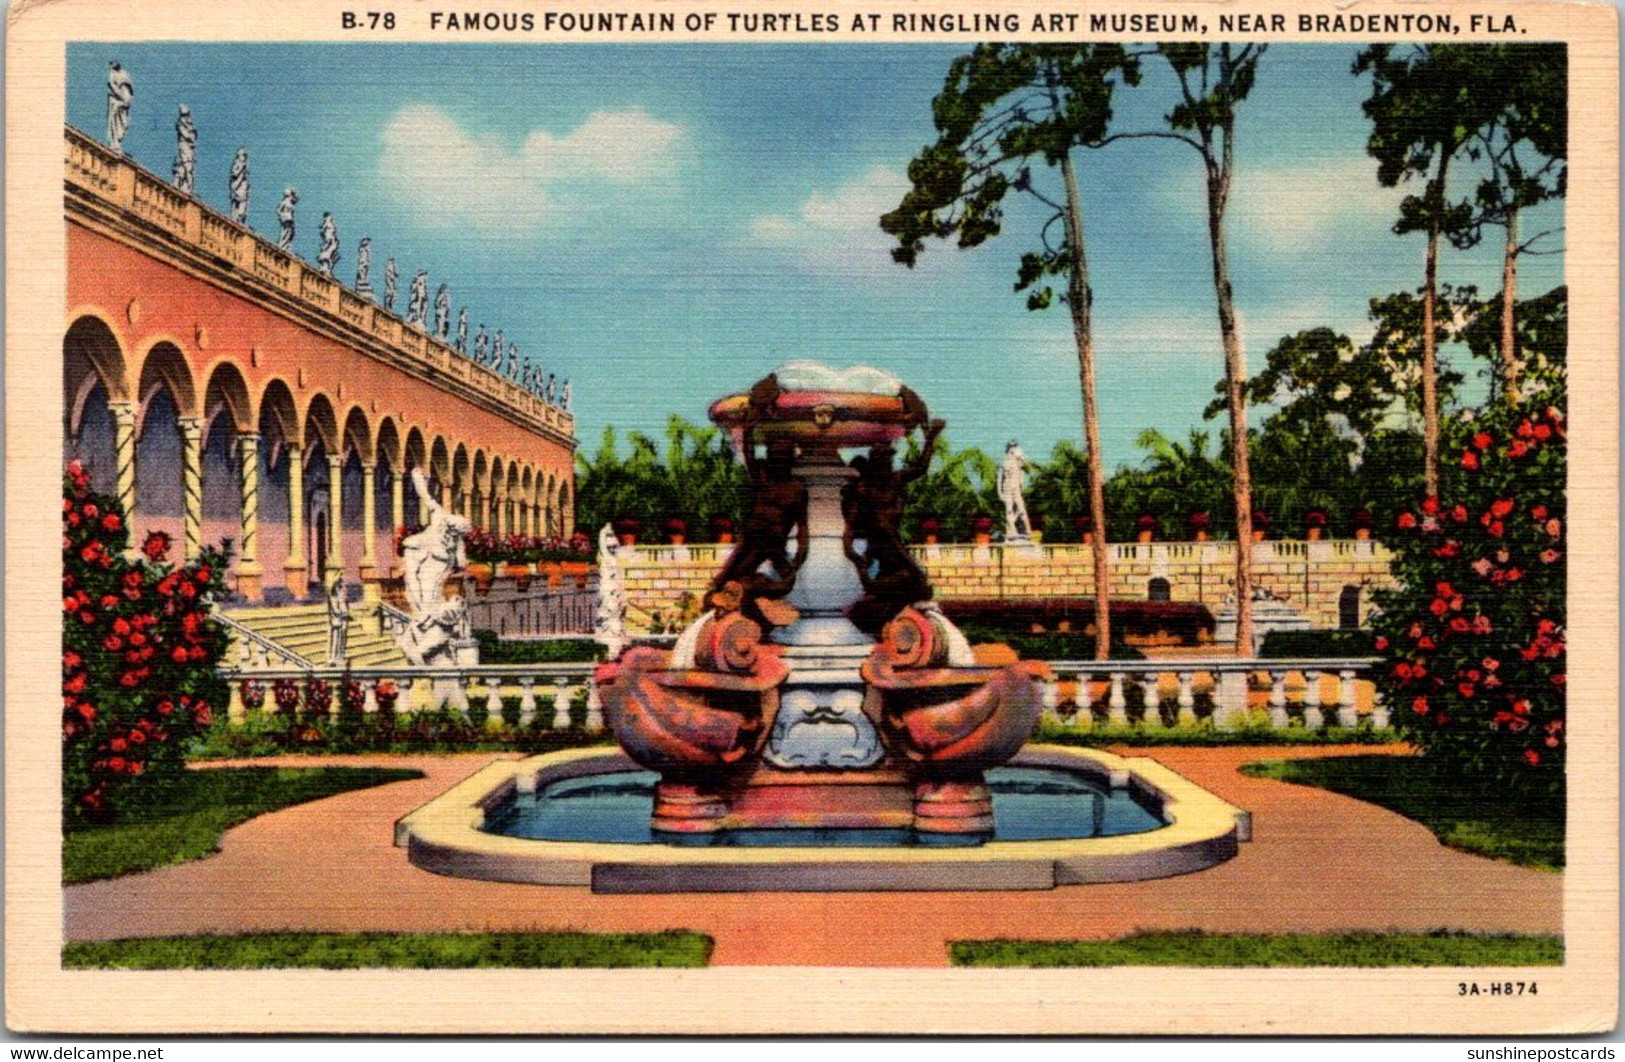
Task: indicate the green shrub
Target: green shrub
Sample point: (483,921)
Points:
(495,650)
(1318,644)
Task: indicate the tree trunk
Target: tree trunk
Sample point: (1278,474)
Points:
(1235,366)
(1430,368)
(1079,298)
(1509,302)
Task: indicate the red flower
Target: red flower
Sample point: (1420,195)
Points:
(1469,460)
(1466,689)
(1517,448)
(1550,556)
(111,522)
(1381,643)
(1430,505)
(1459,514)
(1539,512)
(1483,440)
(1532,756)
(1406,521)
(156,545)
(1501,507)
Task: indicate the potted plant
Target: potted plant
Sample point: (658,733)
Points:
(1085,526)
(1314,524)
(722,529)
(626,530)
(1145,527)
(1198,524)
(676,530)
(575,559)
(931,530)
(482,549)
(981,530)
(1362,521)
(1261,525)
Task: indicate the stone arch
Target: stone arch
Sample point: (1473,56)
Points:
(527,506)
(358,434)
(281,434)
(567,516)
(414,455)
(492,518)
(321,424)
(228,415)
(439,467)
(93,378)
(165,369)
(459,480)
(96,340)
(1159,589)
(387,446)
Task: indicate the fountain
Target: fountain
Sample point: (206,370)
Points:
(823,724)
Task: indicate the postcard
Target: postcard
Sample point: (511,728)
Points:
(858,518)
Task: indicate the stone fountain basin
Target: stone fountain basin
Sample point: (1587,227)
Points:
(835,418)
(446,836)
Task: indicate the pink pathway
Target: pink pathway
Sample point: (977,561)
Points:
(1318,862)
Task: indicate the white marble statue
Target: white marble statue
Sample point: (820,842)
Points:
(552,392)
(513,361)
(442,313)
(462,330)
(328,256)
(609,622)
(417,306)
(120,91)
(184,171)
(496,352)
(285,217)
(389,284)
(338,621)
(239,187)
(363,267)
(428,558)
(1017,525)
(482,345)
(569,405)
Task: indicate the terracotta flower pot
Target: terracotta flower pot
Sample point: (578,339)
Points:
(982,538)
(1314,533)
(482,574)
(1144,536)
(1362,533)
(1258,536)
(577,570)
(1200,536)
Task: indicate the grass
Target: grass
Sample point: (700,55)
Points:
(423,951)
(187,823)
(1196,948)
(1204,734)
(1482,819)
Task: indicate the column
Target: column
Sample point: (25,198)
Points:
(423,509)
(293,569)
(249,573)
(124,460)
(192,485)
(335,518)
(369,529)
(397,500)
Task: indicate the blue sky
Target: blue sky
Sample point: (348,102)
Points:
(665,224)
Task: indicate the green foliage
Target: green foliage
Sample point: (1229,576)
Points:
(1473,814)
(186,814)
(696,479)
(420,951)
(1192,947)
(494,650)
(273,733)
(960,486)
(1324,644)
(1252,731)
(139,656)
(1474,639)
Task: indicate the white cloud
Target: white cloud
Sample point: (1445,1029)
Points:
(454,178)
(837,231)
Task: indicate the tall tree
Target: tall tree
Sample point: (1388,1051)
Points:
(1002,107)
(1212,80)
(1427,101)
(1526,144)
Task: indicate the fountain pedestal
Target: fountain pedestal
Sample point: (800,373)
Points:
(814,723)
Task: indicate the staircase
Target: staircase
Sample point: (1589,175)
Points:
(302,629)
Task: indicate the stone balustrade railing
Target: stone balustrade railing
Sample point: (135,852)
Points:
(105,179)
(1154,693)
(1146,693)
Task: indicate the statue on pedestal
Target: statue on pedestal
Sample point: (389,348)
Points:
(338,621)
(609,623)
(428,558)
(496,352)
(462,331)
(184,171)
(328,256)
(1018,526)
(442,313)
(120,91)
(389,284)
(568,403)
(417,307)
(363,267)
(239,187)
(482,345)
(284,216)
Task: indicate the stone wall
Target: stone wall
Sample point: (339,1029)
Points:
(1309,575)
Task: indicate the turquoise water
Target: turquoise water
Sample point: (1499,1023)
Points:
(1029,804)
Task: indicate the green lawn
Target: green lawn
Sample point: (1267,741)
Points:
(433,951)
(187,823)
(1470,816)
(1195,948)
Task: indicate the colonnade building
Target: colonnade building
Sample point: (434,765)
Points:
(223,388)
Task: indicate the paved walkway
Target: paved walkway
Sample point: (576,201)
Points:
(1318,862)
